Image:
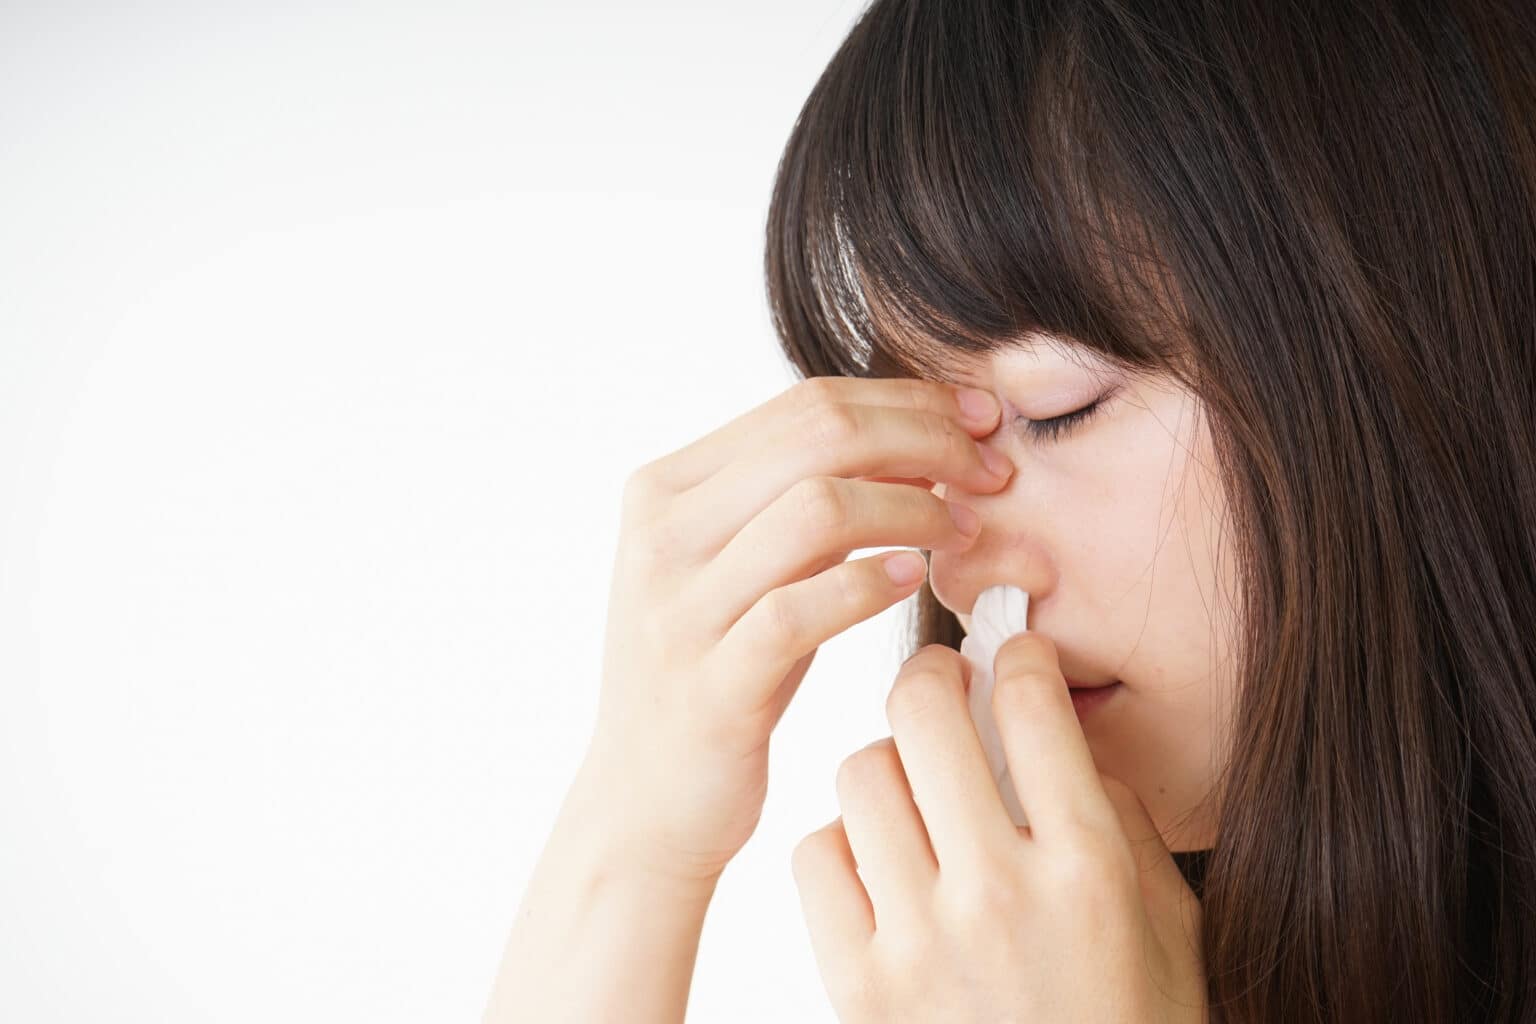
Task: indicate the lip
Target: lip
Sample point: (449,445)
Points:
(1087,698)
(1073,684)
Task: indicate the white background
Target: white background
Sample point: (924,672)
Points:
(328,337)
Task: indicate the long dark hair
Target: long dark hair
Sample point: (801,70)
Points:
(1318,217)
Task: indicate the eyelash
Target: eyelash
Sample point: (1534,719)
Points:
(1053,428)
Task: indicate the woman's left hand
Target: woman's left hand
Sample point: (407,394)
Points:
(925,902)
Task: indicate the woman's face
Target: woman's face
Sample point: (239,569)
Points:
(1115,528)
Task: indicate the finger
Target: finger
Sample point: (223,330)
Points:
(915,481)
(1164,889)
(1053,771)
(791,621)
(838,915)
(946,766)
(832,441)
(788,539)
(886,835)
(742,437)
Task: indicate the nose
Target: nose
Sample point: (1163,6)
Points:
(1006,551)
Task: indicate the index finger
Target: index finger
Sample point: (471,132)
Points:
(1053,771)
(696,462)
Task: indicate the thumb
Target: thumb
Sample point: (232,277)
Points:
(1169,900)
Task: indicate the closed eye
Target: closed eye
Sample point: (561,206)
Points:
(1053,428)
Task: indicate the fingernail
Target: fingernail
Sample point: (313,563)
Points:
(906,567)
(977,405)
(996,461)
(966,519)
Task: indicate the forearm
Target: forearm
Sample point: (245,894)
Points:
(596,938)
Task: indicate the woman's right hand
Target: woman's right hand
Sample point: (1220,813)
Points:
(731,571)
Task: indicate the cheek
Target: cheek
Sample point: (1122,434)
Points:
(1206,598)
(1119,502)
(1206,533)
(1148,525)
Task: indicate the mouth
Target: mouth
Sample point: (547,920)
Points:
(1088,696)
(1073,684)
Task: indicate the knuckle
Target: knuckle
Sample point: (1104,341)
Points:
(1082,863)
(863,770)
(650,534)
(935,510)
(1024,650)
(814,392)
(930,395)
(850,772)
(941,440)
(919,507)
(806,852)
(781,618)
(822,504)
(857,590)
(641,489)
(1023,692)
(908,953)
(831,425)
(926,657)
(919,693)
(663,540)
(977,899)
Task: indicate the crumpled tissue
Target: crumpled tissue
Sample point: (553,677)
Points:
(998,614)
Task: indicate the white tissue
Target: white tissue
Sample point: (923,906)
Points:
(998,614)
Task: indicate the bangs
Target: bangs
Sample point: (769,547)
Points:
(952,187)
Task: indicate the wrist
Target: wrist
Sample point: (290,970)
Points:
(604,820)
(598,934)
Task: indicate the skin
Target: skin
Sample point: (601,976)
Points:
(925,902)
(1116,531)
(712,624)
(713,621)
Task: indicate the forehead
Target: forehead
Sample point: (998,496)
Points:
(1017,354)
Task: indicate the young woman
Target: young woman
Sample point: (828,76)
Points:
(1251,290)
